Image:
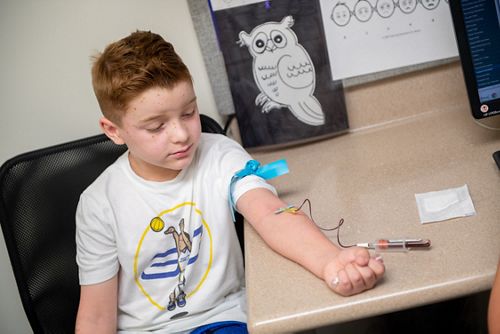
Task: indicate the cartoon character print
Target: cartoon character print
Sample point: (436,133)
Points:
(183,245)
(430,4)
(341,14)
(363,10)
(170,246)
(283,71)
(407,6)
(385,8)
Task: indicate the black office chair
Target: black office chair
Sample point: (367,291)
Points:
(39,192)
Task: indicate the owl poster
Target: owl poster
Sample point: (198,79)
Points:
(278,71)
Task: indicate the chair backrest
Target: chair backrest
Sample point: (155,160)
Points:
(39,192)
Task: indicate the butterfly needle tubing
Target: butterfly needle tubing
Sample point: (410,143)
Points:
(379,245)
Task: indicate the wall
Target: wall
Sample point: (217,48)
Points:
(45,92)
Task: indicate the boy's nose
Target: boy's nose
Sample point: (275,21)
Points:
(178,132)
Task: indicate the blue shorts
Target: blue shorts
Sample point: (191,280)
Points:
(223,327)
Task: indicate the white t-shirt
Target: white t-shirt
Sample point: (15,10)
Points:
(173,244)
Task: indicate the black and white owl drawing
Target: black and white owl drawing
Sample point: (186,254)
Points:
(283,71)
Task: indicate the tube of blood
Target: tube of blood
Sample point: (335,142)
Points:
(396,245)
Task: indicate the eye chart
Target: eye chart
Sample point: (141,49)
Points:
(369,36)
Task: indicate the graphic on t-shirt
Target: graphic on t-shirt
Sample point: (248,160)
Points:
(182,244)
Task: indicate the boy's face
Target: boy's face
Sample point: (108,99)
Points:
(161,128)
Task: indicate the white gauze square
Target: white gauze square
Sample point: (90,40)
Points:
(445,204)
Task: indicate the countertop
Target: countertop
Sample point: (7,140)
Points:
(370,177)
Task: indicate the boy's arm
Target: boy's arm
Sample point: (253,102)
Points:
(346,271)
(97,311)
(494,305)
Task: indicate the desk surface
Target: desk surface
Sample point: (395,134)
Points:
(370,178)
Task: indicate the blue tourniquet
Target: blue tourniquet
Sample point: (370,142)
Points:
(223,327)
(253,167)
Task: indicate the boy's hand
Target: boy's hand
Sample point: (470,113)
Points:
(353,271)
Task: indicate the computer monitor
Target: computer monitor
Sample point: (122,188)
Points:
(477,31)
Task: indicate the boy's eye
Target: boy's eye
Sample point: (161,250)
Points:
(189,114)
(155,129)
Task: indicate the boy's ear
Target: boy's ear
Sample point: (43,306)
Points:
(111,130)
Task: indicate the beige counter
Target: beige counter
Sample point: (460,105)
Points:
(370,177)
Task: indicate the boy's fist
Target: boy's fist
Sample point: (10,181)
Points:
(353,271)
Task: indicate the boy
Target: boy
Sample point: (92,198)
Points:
(156,245)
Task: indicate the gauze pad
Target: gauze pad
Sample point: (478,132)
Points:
(445,204)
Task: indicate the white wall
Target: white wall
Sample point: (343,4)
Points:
(45,92)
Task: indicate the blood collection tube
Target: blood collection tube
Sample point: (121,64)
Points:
(396,245)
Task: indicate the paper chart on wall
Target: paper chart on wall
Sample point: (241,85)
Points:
(369,36)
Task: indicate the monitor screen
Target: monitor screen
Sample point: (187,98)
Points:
(477,30)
